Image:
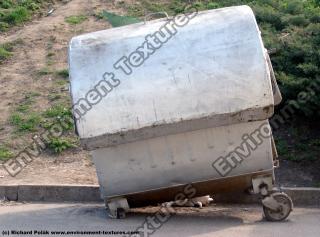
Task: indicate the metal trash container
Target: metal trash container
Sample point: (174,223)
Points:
(194,111)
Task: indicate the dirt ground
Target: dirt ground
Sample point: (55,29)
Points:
(18,76)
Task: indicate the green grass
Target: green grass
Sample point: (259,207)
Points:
(48,123)
(59,76)
(6,49)
(44,71)
(173,7)
(75,20)
(5,153)
(117,20)
(4,53)
(23,119)
(22,108)
(56,114)
(25,105)
(25,122)
(54,97)
(57,111)
(64,73)
(16,12)
(17,16)
(58,145)
(15,119)
(33,122)
(31,94)
(61,82)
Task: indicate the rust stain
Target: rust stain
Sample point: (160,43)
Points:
(266,109)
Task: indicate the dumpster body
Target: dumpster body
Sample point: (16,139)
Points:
(191,103)
(174,160)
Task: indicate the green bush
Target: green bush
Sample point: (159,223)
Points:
(293,7)
(6,4)
(269,15)
(17,16)
(290,27)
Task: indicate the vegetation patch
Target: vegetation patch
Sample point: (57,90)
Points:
(58,145)
(57,111)
(116,20)
(291,31)
(61,82)
(50,54)
(290,27)
(5,53)
(57,114)
(31,94)
(64,73)
(5,153)
(298,143)
(44,71)
(55,97)
(75,20)
(28,100)
(16,12)
(7,49)
(25,119)
(25,122)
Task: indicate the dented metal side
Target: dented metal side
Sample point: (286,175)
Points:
(162,129)
(179,159)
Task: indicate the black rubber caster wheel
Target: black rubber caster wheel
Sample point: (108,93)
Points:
(283,211)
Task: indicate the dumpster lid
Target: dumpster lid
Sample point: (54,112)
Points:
(212,72)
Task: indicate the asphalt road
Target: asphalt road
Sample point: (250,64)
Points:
(211,221)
